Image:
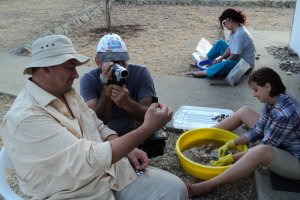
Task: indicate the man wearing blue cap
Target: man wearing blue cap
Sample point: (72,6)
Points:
(122,105)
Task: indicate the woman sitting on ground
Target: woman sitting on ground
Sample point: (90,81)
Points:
(227,55)
(278,127)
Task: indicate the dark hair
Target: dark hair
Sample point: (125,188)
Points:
(266,75)
(234,15)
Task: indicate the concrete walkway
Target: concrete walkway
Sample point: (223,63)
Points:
(177,91)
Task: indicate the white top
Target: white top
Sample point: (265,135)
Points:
(241,43)
(58,156)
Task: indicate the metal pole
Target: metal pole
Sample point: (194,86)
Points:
(107,11)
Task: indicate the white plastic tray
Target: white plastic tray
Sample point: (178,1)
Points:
(190,117)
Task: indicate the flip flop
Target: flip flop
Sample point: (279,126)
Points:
(192,75)
(193,66)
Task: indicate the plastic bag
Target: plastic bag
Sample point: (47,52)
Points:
(202,49)
(237,72)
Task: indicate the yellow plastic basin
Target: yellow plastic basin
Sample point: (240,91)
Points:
(191,139)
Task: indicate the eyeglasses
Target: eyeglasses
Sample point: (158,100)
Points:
(224,21)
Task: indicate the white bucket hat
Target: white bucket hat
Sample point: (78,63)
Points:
(53,50)
(112,48)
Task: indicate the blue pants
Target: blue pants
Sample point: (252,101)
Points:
(223,68)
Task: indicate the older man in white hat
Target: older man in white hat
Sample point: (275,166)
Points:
(61,150)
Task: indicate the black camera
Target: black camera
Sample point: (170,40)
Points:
(119,74)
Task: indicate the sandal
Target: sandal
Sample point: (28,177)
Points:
(192,75)
(194,66)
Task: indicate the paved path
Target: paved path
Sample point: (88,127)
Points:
(197,92)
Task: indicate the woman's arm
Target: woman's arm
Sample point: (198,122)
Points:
(241,140)
(233,57)
(225,55)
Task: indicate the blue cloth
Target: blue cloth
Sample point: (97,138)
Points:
(279,126)
(217,50)
(139,84)
(223,68)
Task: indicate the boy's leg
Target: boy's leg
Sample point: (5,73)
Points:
(154,184)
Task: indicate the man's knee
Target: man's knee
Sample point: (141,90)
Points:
(170,187)
(176,189)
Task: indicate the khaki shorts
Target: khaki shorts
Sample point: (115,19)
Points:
(154,184)
(285,164)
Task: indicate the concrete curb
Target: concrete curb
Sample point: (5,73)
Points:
(261,3)
(266,192)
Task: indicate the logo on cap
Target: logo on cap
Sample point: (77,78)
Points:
(114,44)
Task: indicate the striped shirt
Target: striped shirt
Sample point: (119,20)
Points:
(279,126)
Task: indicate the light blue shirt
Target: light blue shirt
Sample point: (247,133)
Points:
(241,43)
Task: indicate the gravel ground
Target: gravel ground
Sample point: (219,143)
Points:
(159,37)
(288,59)
(243,189)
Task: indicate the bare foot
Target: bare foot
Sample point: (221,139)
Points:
(198,74)
(194,75)
(195,190)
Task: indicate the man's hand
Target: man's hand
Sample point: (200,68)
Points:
(157,116)
(139,159)
(107,91)
(120,95)
(223,149)
(223,161)
(107,70)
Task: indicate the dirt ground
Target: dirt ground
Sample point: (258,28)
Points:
(20,21)
(159,37)
(163,37)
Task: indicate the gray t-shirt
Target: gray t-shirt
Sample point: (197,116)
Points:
(241,43)
(139,84)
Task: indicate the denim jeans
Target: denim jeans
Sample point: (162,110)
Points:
(223,68)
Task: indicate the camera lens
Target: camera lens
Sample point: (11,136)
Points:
(124,73)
